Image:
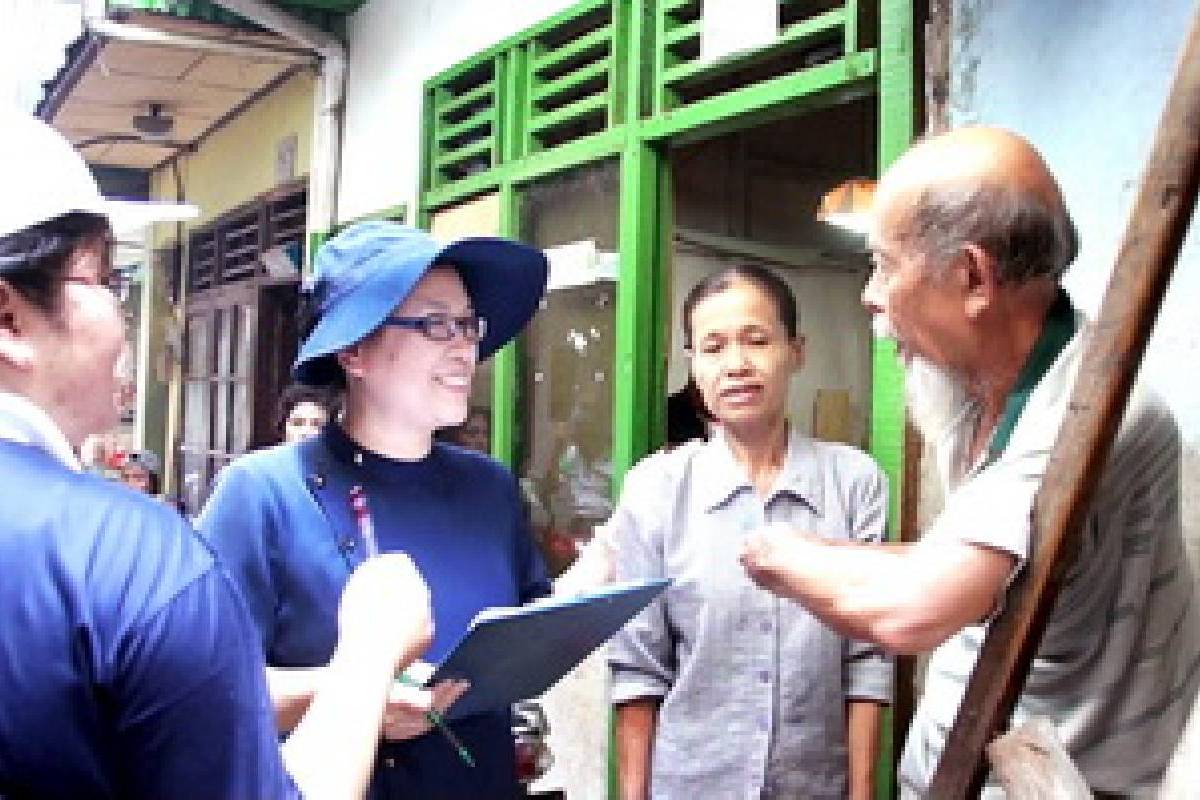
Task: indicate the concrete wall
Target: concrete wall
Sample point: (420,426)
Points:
(1087,82)
(394,47)
(232,166)
(237,162)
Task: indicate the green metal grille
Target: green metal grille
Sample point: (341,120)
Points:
(810,33)
(548,86)
(568,66)
(465,122)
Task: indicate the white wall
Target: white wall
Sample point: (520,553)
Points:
(1087,82)
(395,45)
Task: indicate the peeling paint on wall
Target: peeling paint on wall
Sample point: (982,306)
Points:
(1086,82)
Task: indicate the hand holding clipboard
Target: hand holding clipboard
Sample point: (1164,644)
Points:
(515,653)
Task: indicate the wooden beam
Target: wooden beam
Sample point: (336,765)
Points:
(1145,261)
(938,34)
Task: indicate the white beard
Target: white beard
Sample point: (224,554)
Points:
(936,396)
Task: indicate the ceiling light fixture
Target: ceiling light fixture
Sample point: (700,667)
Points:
(848,205)
(155,125)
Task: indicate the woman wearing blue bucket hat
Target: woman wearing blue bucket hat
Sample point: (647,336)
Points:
(400,323)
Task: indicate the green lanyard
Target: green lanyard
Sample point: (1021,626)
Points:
(1059,328)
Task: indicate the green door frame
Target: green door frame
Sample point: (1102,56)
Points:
(643,120)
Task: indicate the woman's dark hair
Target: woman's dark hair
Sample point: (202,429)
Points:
(776,289)
(148,463)
(33,261)
(296,393)
(687,415)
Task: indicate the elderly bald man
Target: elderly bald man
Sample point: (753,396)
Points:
(970,239)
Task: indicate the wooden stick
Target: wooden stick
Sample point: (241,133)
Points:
(1145,261)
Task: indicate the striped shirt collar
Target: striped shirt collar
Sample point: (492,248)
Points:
(24,422)
(720,476)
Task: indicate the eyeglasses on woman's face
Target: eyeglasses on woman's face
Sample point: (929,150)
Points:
(443,327)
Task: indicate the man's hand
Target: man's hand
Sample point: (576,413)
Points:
(768,553)
(384,623)
(385,612)
(595,566)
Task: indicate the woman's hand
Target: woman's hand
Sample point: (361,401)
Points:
(407,705)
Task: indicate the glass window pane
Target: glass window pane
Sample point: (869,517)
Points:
(195,415)
(220,426)
(247,331)
(240,441)
(199,352)
(193,480)
(225,321)
(566,464)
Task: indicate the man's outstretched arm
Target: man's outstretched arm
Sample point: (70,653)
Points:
(907,598)
(384,624)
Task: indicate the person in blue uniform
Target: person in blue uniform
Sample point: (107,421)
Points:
(128,664)
(400,324)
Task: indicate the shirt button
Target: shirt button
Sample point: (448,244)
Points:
(389,762)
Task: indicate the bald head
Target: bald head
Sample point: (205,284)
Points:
(981,185)
(974,156)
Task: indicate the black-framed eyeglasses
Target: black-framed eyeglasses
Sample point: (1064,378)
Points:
(443,327)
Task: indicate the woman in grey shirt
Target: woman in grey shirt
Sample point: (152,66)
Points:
(721,689)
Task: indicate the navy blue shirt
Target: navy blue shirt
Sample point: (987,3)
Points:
(280,520)
(128,666)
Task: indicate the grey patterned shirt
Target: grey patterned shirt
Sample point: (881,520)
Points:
(1119,663)
(753,688)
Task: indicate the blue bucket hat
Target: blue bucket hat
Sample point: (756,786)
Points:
(363,273)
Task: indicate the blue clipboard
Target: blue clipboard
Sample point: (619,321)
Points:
(512,654)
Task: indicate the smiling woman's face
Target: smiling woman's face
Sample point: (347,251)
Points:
(418,383)
(742,358)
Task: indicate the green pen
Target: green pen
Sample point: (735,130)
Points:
(439,722)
